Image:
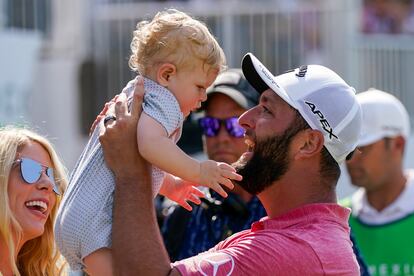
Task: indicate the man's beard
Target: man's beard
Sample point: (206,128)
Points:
(269,162)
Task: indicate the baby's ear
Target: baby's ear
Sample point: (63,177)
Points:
(165,72)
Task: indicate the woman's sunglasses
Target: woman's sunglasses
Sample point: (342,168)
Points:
(31,171)
(211,126)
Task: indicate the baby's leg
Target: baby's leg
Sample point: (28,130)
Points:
(99,263)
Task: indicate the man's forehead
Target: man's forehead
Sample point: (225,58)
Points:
(269,96)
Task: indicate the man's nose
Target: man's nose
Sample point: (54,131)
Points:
(204,95)
(248,118)
(223,134)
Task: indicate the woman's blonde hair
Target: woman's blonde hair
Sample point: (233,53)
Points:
(38,256)
(174,37)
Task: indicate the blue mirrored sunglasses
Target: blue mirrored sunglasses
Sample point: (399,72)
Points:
(31,171)
(211,126)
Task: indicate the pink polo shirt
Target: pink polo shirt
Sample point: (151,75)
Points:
(310,240)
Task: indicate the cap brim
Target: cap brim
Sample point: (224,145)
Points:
(369,139)
(366,140)
(231,93)
(261,79)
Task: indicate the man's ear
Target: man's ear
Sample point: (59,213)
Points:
(309,143)
(399,143)
(165,72)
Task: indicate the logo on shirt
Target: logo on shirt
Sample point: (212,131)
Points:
(213,264)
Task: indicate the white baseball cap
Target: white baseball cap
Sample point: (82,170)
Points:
(383,115)
(325,101)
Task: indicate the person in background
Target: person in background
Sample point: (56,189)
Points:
(307,122)
(382,219)
(188,233)
(32,182)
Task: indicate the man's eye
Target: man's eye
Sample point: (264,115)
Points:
(364,149)
(200,88)
(266,110)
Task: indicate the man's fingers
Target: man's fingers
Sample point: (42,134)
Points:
(102,131)
(101,115)
(95,123)
(138,97)
(115,98)
(121,106)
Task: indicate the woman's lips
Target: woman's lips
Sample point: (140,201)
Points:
(37,213)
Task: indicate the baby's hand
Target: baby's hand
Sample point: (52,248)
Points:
(214,174)
(182,192)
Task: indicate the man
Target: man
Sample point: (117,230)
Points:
(382,218)
(292,167)
(188,233)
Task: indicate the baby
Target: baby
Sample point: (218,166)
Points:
(178,58)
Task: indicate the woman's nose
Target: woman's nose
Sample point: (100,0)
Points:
(45,182)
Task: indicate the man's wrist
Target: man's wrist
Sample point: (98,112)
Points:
(129,179)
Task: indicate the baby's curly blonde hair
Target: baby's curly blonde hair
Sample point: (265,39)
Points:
(173,37)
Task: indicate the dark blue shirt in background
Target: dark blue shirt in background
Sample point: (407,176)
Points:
(188,233)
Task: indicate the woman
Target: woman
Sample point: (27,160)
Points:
(32,180)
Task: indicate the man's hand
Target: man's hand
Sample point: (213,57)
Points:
(102,114)
(119,137)
(108,107)
(137,247)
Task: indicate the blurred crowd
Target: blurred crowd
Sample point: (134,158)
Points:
(388,16)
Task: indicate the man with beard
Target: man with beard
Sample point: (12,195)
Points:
(188,233)
(306,123)
(382,217)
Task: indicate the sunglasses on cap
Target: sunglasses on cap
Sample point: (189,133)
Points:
(31,171)
(211,126)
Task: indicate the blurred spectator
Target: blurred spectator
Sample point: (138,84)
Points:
(382,217)
(388,16)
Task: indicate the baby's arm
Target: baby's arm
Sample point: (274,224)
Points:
(155,146)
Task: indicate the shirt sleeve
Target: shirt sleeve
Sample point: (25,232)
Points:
(162,106)
(240,256)
(252,254)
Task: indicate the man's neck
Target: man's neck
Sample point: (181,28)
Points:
(245,196)
(383,197)
(284,195)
